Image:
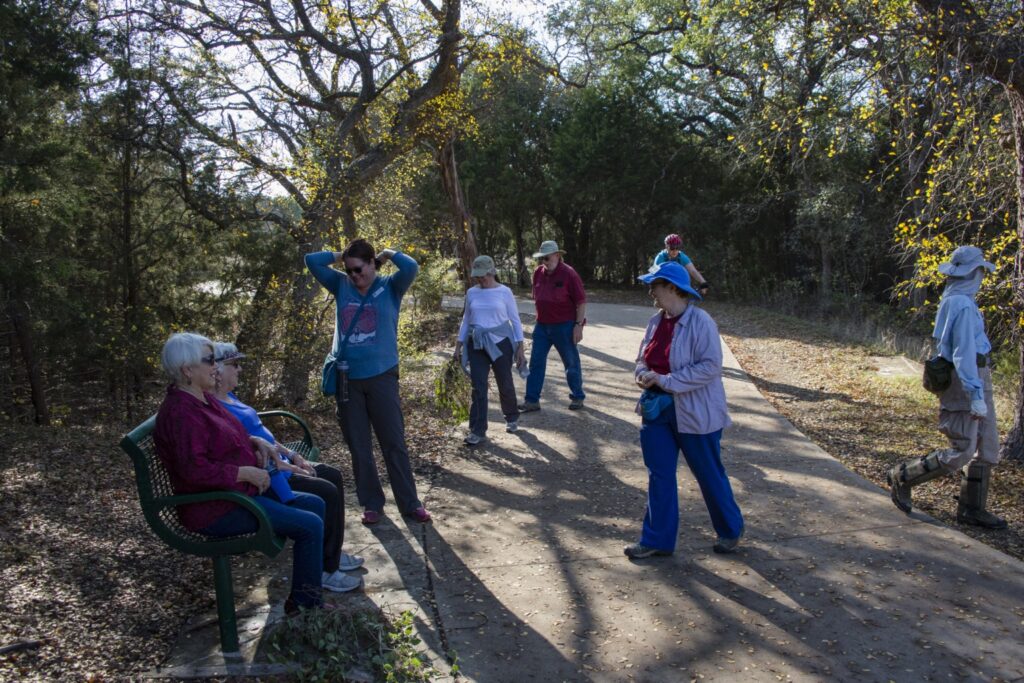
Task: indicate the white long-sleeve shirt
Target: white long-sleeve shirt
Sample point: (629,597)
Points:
(489,308)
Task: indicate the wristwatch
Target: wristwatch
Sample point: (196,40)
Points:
(581,324)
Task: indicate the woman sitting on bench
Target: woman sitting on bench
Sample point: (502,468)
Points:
(321,480)
(204,448)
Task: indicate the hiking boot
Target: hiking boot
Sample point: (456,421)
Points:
(974,482)
(576,404)
(528,407)
(512,426)
(909,473)
(349,562)
(340,582)
(472,439)
(638,551)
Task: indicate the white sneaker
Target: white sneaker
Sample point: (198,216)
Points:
(512,426)
(340,582)
(472,439)
(349,562)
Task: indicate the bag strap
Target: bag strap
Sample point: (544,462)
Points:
(351,326)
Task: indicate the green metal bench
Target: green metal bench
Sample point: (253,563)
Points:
(159,503)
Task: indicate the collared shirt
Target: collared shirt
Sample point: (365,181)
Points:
(557,294)
(202,446)
(372,347)
(960,337)
(695,380)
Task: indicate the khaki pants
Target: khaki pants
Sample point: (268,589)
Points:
(970,440)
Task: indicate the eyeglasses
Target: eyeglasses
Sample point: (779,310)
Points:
(208,360)
(545,259)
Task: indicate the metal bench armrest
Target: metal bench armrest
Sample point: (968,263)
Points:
(313,453)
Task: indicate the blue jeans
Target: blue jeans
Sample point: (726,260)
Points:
(302,521)
(661,442)
(559,335)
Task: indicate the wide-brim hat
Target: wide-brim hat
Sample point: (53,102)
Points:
(482,265)
(964,261)
(547,249)
(674,273)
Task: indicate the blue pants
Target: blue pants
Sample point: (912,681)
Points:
(302,520)
(661,442)
(559,335)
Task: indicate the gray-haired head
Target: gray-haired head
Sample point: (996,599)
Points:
(225,351)
(183,349)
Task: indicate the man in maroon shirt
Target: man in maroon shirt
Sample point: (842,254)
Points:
(561,314)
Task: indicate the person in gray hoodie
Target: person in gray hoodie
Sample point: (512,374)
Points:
(967,414)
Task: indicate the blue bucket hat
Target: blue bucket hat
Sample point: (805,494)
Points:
(964,261)
(674,273)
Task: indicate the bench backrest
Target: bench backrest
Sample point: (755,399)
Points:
(154,483)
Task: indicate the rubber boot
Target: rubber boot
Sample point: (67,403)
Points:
(910,473)
(974,480)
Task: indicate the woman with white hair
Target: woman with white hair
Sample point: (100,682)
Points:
(490,337)
(321,479)
(204,448)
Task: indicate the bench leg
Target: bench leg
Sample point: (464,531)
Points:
(225,604)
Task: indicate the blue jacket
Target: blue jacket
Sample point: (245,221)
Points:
(373,345)
(960,332)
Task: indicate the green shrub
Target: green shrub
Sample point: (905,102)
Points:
(333,645)
(452,390)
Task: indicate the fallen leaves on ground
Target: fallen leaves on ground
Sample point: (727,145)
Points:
(87,591)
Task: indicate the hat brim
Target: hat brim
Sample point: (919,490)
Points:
(235,356)
(478,272)
(541,254)
(649,278)
(960,270)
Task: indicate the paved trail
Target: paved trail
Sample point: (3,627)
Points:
(522,572)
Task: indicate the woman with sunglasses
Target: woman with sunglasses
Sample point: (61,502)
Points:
(322,480)
(204,448)
(682,408)
(362,369)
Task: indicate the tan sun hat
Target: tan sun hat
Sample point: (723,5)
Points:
(548,248)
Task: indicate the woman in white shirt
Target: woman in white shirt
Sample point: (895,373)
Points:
(491,336)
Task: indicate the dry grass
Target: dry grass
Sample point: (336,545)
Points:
(831,390)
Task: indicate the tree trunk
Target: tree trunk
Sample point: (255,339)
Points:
(825,292)
(1013,447)
(17,310)
(522,274)
(301,345)
(348,220)
(465,237)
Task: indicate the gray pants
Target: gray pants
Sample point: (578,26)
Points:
(480,365)
(970,440)
(373,402)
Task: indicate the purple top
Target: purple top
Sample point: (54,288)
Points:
(202,446)
(695,380)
